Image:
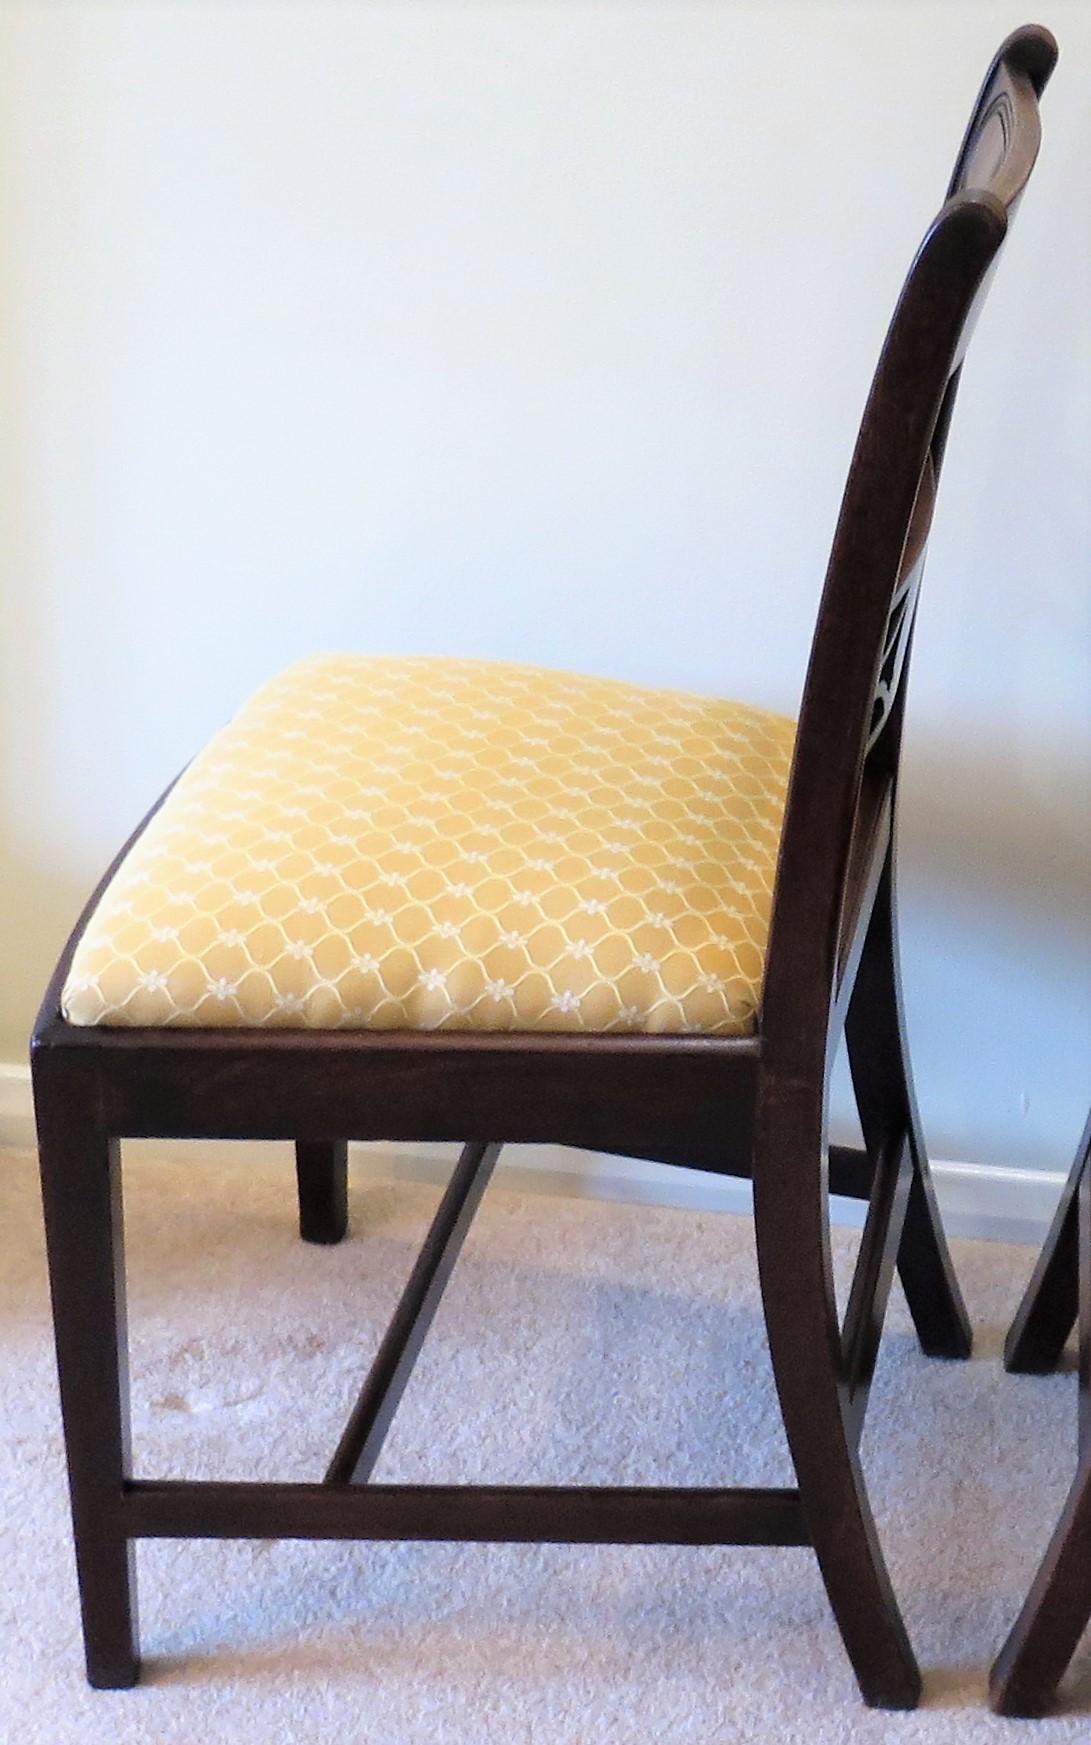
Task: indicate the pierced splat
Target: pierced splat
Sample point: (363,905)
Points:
(903,605)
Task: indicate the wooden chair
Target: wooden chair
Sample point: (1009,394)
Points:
(142,1033)
(1043,1638)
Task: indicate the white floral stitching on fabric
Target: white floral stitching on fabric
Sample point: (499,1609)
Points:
(417,843)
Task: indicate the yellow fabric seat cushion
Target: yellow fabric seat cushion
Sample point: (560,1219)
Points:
(424,843)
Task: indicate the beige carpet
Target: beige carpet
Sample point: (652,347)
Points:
(576,1341)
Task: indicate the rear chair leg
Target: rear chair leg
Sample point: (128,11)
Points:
(791,1226)
(321,1167)
(81,1196)
(879,1059)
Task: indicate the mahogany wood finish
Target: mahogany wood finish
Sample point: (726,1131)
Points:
(753,1106)
(505,1514)
(1043,1638)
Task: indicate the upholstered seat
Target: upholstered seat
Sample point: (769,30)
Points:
(427,843)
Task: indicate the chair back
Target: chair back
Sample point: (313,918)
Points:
(841,791)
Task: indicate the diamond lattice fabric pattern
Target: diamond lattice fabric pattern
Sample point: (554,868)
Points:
(421,843)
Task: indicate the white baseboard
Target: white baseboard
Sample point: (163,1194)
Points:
(1002,1205)
(16,1107)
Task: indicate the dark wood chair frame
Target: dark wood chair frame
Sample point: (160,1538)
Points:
(1030,1665)
(742,1106)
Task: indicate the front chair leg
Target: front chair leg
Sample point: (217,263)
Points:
(805,1345)
(321,1167)
(81,1195)
(879,1059)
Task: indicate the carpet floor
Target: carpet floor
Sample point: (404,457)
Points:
(578,1341)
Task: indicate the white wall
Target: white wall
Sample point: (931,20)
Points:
(541,331)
